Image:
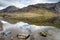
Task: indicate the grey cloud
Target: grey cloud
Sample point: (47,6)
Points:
(2,5)
(47,0)
(54,0)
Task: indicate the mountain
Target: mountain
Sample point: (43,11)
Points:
(57,8)
(39,6)
(10,9)
(50,6)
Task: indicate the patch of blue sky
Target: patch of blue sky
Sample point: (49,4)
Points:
(25,2)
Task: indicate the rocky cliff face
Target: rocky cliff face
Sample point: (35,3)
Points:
(57,8)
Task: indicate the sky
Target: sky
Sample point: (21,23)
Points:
(23,3)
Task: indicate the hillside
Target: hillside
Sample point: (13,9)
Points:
(9,9)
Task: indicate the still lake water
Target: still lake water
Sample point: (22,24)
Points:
(27,29)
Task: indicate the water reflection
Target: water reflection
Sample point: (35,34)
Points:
(34,31)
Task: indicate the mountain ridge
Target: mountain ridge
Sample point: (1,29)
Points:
(9,9)
(51,6)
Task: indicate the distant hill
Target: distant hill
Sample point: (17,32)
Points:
(9,9)
(51,6)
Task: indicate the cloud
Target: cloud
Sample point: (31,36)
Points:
(43,1)
(2,8)
(18,4)
(23,3)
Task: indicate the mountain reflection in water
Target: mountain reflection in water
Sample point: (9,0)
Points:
(33,30)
